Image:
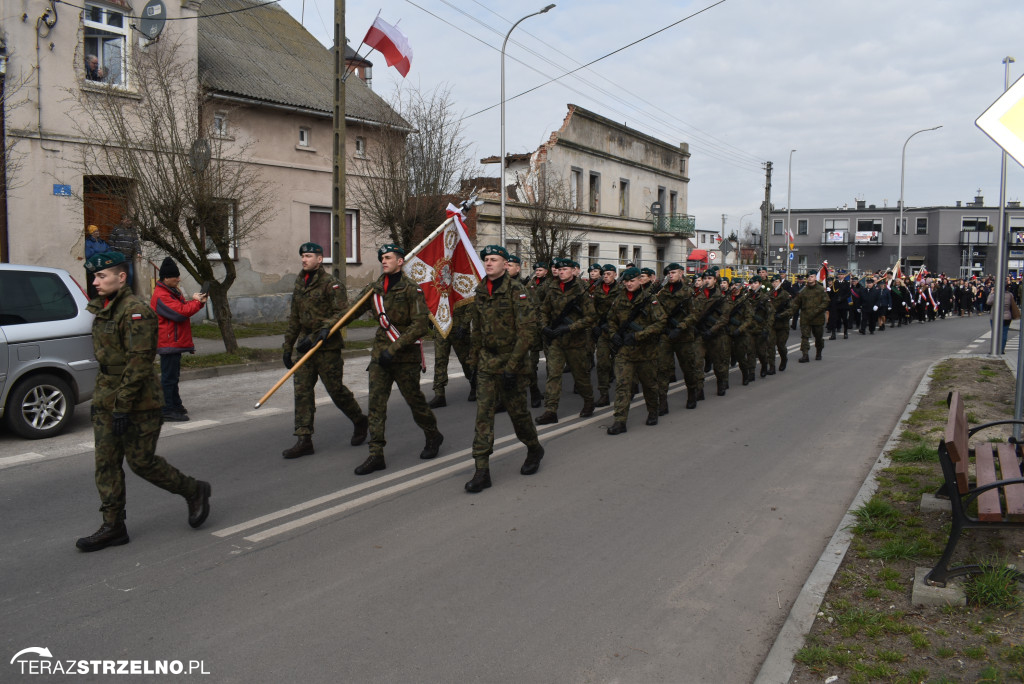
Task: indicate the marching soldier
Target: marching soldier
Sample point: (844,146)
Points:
(458,339)
(637,321)
(318,301)
(503,329)
(679,342)
(711,323)
(397,356)
(604,294)
(536,287)
(568,316)
(812,305)
(740,328)
(764,317)
(127,404)
(514,268)
(780,299)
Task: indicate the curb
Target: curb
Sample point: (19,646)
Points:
(778,665)
(237,368)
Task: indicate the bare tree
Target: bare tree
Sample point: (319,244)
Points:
(548,220)
(191,195)
(415,163)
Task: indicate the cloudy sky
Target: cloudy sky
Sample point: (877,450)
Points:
(843,82)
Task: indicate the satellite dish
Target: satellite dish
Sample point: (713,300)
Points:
(656,208)
(153,18)
(199,157)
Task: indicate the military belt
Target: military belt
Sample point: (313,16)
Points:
(112,370)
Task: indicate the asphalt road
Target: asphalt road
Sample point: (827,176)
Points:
(669,554)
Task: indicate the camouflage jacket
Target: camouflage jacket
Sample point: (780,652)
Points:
(580,317)
(462,317)
(740,314)
(538,291)
(710,310)
(680,308)
(407,311)
(780,299)
(317,303)
(603,303)
(647,325)
(812,303)
(763,313)
(504,325)
(124,340)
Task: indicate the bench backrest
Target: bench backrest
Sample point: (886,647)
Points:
(955,439)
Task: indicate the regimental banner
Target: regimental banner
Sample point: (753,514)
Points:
(448,270)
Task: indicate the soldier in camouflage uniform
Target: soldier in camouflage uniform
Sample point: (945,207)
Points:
(679,341)
(396,356)
(504,324)
(568,316)
(764,317)
(741,327)
(812,306)
(714,342)
(604,294)
(780,299)
(318,301)
(127,404)
(537,289)
(637,321)
(458,339)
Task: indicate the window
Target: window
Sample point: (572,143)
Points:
(623,197)
(801,227)
(661,259)
(636,256)
(320,233)
(801,262)
(595,192)
(867,225)
(106,40)
(623,255)
(220,124)
(29,297)
(574,251)
(974,224)
(837,224)
(703,238)
(222,227)
(360,147)
(896,228)
(303,136)
(512,246)
(777,228)
(673,198)
(576,188)
(593,252)
(682,166)
(922,226)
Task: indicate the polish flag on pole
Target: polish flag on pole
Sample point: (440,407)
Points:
(389,41)
(921,275)
(823,272)
(790,235)
(447,269)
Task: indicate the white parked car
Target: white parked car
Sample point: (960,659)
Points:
(47,364)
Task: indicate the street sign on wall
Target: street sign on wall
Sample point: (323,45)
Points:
(1004,121)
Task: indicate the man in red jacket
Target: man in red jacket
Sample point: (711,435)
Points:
(174,336)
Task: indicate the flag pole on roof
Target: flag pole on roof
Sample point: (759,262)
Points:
(349,71)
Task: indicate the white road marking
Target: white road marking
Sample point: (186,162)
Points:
(194,424)
(9,461)
(264,412)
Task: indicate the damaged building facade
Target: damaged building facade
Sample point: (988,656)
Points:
(597,191)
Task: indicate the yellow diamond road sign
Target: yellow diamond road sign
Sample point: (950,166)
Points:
(1004,121)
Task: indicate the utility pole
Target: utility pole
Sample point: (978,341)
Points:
(338,195)
(766,209)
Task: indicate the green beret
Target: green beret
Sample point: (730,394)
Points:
(103,260)
(754,279)
(594,266)
(776,278)
(647,271)
(630,273)
(574,264)
(492,250)
(514,259)
(674,266)
(540,264)
(609,267)
(310,248)
(725,280)
(560,262)
(389,248)
(713,269)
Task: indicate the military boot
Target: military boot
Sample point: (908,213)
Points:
(603,400)
(832,336)
(691,398)
(764,370)
(432,446)
(481,481)
(617,428)
(303,447)
(700,393)
(359,430)
(771,367)
(438,401)
(803,358)
(109,534)
(663,405)
(746,376)
(536,398)
(707,365)
(472,392)
(532,462)
(588,407)
(817,355)
(199,505)
(783,362)
(547,418)
(373,463)
(652,418)
(722,387)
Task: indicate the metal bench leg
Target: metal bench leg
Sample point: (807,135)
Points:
(941,572)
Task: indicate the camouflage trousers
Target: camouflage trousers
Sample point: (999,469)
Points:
(626,372)
(742,347)
(715,349)
(489,390)
(806,331)
(781,339)
(442,353)
(138,446)
(763,343)
(407,377)
(605,365)
(558,358)
(328,366)
(685,350)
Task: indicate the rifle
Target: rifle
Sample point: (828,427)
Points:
(671,324)
(617,341)
(560,319)
(706,322)
(734,323)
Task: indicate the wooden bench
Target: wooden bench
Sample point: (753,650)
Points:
(998,487)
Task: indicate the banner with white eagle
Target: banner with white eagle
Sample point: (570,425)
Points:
(447,269)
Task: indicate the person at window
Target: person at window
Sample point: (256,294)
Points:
(93,70)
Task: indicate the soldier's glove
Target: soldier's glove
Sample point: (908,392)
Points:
(554,333)
(303,345)
(510,381)
(561,330)
(617,340)
(629,339)
(287,358)
(120,424)
(674,334)
(596,332)
(386,357)
(321,335)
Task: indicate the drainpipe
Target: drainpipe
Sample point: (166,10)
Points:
(5,256)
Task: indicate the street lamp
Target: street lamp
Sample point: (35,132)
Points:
(903,165)
(789,210)
(501,180)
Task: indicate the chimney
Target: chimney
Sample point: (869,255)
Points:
(958,204)
(979,201)
(860,204)
(1013,205)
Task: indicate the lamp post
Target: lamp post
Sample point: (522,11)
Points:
(903,165)
(789,211)
(501,179)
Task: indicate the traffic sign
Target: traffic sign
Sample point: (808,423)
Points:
(712,255)
(791,255)
(1004,121)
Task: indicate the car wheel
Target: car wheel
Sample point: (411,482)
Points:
(40,406)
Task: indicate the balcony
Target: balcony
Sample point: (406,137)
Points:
(977,237)
(835,238)
(681,225)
